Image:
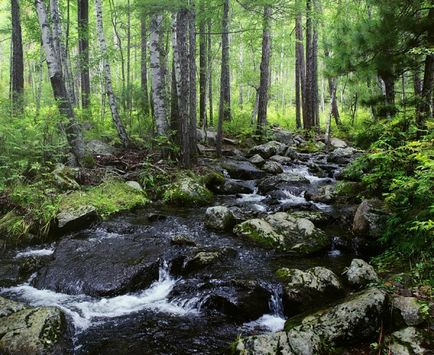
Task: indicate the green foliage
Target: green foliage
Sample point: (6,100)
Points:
(111,197)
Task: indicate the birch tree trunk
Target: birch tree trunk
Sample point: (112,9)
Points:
(108,77)
(73,131)
(202,68)
(225,94)
(83,50)
(265,70)
(158,75)
(17,68)
(144,65)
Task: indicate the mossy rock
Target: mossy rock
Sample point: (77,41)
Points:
(259,231)
(187,191)
(310,147)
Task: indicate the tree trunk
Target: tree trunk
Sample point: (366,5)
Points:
(424,109)
(210,91)
(129,100)
(265,70)
(299,71)
(144,65)
(315,98)
(73,131)
(193,93)
(202,68)
(83,51)
(309,111)
(108,77)
(225,95)
(17,69)
(158,75)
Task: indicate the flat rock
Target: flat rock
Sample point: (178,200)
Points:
(242,169)
(76,218)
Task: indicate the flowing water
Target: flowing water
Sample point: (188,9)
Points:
(178,312)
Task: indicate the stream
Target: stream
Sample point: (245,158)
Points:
(131,284)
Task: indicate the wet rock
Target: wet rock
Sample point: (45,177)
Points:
(242,169)
(311,147)
(206,258)
(70,219)
(281,181)
(325,194)
(283,136)
(109,267)
(282,160)
(268,149)
(100,148)
(257,160)
(299,234)
(309,288)
(260,232)
(370,218)
(342,155)
(407,341)
(316,217)
(9,274)
(272,167)
(134,185)
(360,273)
(182,240)
(338,143)
(31,330)
(219,218)
(406,311)
(357,318)
(233,187)
(187,191)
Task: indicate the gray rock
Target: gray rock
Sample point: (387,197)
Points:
(283,136)
(260,232)
(100,148)
(338,143)
(406,310)
(134,185)
(31,330)
(342,155)
(360,273)
(219,218)
(281,159)
(325,194)
(407,341)
(257,160)
(242,169)
(187,191)
(370,218)
(268,149)
(64,177)
(232,187)
(272,167)
(211,136)
(7,307)
(76,218)
(281,181)
(313,287)
(206,258)
(182,240)
(357,318)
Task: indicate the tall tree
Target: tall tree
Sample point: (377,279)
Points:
(144,64)
(158,73)
(265,69)
(83,50)
(17,69)
(108,77)
(192,78)
(225,93)
(300,73)
(202,66)
(72,129)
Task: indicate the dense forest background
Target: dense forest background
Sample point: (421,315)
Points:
(145,74)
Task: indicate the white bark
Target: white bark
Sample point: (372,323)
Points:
(108,77)
(158,75)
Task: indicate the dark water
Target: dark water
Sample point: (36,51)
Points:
(179,313)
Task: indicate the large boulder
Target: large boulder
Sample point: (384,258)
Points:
(69,219)
(299,234)
(233,187)
(187,191)
(205,258)
(406,311)
(26,330)
(324,194)
(242,169)
(260,232)
(407,341)
(369,219)
(272,167)
(282,160)
(100,148)
(283,136)
(342,155)
(338,143)
(360,273)
(355,319)
(257,160)
(282,181)
(109,268)
(219,218)
(268,149)
(313,287)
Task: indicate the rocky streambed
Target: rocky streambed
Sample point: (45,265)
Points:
(273,244)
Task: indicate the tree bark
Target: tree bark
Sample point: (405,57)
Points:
(108,78)
(73,131)
(158,75)
(210,90)
(202,67)
(424,109)
(144,64)
(265,70)
(300,76)
(192,89)
(309,113)
(83,51)
(17,74)
(225,94)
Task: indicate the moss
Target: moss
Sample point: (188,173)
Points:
(187,191)
(309,147)
(258,231)
(283,273)
(212,178)
(110,197)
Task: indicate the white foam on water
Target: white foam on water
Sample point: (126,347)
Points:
(303,171)
(35,252)
(270,322)
(292,199)
(87,311)
(253,197)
